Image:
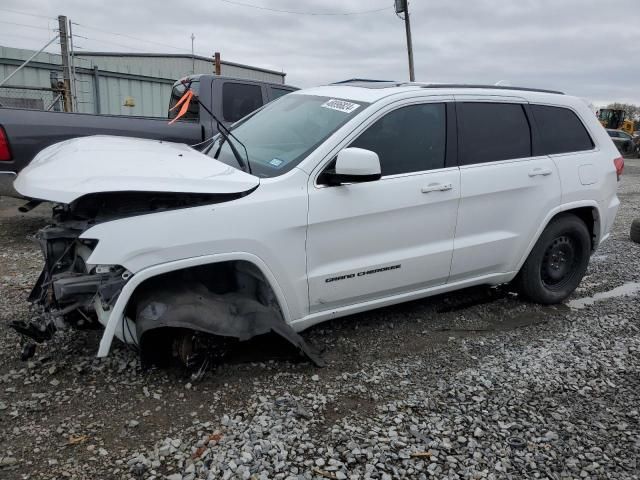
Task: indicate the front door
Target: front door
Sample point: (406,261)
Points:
(374,239)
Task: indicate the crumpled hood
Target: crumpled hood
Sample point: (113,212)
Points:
(68,170)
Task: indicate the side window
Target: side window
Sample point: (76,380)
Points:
(561,130)
(488,132)
(240,99)
(278,92)
(410,139)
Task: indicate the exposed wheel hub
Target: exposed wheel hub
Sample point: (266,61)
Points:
(197,351)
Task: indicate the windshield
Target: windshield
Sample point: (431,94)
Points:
(284,132)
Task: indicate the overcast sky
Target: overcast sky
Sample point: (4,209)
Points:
(589,48)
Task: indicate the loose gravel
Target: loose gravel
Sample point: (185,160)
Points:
(472,385)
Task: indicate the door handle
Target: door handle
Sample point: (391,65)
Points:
(437,187)
(540,172)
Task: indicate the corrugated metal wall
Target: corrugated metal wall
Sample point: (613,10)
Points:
(150,98)
(147,79)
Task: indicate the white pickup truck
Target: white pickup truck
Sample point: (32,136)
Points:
(326,202)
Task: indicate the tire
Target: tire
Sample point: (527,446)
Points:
(634,233)
(558,261)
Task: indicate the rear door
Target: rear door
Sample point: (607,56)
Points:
(506,190)
(586,171)
(375,239)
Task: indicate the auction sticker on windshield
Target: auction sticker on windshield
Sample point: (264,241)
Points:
(276,162)
(340,105)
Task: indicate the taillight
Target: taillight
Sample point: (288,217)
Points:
(619,164)
(5,151)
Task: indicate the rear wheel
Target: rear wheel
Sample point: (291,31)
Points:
(557,262)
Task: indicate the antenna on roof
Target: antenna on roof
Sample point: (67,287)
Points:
(503,83)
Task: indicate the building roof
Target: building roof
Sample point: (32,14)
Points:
(175,55)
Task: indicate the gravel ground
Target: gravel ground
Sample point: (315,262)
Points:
(475,384)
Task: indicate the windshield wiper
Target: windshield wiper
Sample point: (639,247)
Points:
(246,167)
(226,135)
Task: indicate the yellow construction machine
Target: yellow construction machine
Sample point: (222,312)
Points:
(616,119)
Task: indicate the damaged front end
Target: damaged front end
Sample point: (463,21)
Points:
(68,289)
(71,293)
(98,185)
(194,308)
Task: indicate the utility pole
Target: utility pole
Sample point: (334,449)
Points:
(66,68)
(402,6)
(216,63)
(193,57)
(74,82)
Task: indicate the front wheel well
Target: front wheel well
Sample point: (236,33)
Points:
(231,299)
(220,278)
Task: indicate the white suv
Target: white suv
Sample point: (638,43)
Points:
(329,201)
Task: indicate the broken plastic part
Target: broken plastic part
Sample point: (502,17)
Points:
(193,306)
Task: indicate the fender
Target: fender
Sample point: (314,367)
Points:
(117,313)
(559,209)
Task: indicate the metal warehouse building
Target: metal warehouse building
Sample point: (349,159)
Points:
(109,82)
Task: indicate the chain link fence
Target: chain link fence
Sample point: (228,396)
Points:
(35,98)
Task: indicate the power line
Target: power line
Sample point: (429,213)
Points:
(26,37)
(28,14)
(111,43)
(259,7)
(27,26)
(131,37)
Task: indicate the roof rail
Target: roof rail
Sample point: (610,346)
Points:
(490,87)
(360,80)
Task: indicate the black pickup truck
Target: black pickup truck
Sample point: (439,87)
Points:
(23,133)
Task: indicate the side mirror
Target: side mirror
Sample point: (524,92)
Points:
(354,165)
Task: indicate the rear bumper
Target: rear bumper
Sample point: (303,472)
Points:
(6,185)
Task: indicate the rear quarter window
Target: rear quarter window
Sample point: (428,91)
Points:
(561,131)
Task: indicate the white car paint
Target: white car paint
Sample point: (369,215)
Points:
(447,228)
(68,170)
